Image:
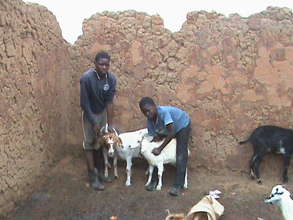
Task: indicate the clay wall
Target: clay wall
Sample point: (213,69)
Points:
(36,101)
(231,74)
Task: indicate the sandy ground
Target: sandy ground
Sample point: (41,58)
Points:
(65,195)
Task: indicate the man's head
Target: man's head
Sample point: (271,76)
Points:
(148,108)
(102,63)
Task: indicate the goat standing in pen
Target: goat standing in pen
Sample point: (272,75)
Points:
(265,139)
(283,199)
(126,146)
(107,140)
(168,155)
(168,122)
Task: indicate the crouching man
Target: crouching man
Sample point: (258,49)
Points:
(168,122)
(97,90)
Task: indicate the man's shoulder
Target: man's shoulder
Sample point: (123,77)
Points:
(164,108)
(87,74)
(111,76)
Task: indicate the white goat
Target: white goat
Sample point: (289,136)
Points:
(283,199)
(126,146)
(105,134)
(168,155)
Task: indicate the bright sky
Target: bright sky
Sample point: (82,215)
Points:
(70,14)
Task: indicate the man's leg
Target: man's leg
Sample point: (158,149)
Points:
(153,184)
(89,156)
(99,163)
(88,145)
(99,160)
(181,159)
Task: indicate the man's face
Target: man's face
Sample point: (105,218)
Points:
(149,111)
(102,66)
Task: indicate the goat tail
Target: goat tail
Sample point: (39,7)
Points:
(244,142)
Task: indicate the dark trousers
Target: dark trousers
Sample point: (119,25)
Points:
(99,160)
(182,138)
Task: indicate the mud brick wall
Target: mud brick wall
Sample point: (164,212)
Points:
(231,74)
(36,102)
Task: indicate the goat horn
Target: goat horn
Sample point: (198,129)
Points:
(102,130)
(116,133)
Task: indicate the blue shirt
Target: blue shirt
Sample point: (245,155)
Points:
(167,115)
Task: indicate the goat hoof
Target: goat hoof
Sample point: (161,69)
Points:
(106,179)
(151,187)
(252,175)
(127,184)
(158,188)
(259,181)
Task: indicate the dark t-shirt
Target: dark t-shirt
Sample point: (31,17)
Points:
(96,93)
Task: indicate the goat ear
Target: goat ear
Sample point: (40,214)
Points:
(115,131)
(102,130)
(119,140)
(106,128)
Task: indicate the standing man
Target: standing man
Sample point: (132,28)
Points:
(97,90)
(168,122)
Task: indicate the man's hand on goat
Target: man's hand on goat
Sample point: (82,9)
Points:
(156,151)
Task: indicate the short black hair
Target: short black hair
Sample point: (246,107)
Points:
(102,54)
(146,101)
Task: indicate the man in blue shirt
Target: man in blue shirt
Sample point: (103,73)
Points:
(97,90)
(168,122)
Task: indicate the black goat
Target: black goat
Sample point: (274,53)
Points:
(265,139)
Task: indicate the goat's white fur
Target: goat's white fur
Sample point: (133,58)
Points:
(168,155)
(281,197)
(104,130)
(126,146)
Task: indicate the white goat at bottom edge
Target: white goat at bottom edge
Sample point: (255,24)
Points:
(168,155)
(283,199)
(126,146)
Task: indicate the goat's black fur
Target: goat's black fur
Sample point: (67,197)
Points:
(269,138)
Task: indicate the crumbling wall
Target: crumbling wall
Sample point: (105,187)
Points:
(36,104)
(231,74)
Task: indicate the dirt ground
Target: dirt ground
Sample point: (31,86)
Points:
(66,196)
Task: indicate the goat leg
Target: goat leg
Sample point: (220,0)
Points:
(115,166)
(251,166)
(286,161)
(160,174)
(106,162)
(256,168)
(185,181)
(128,171)
(151,169)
